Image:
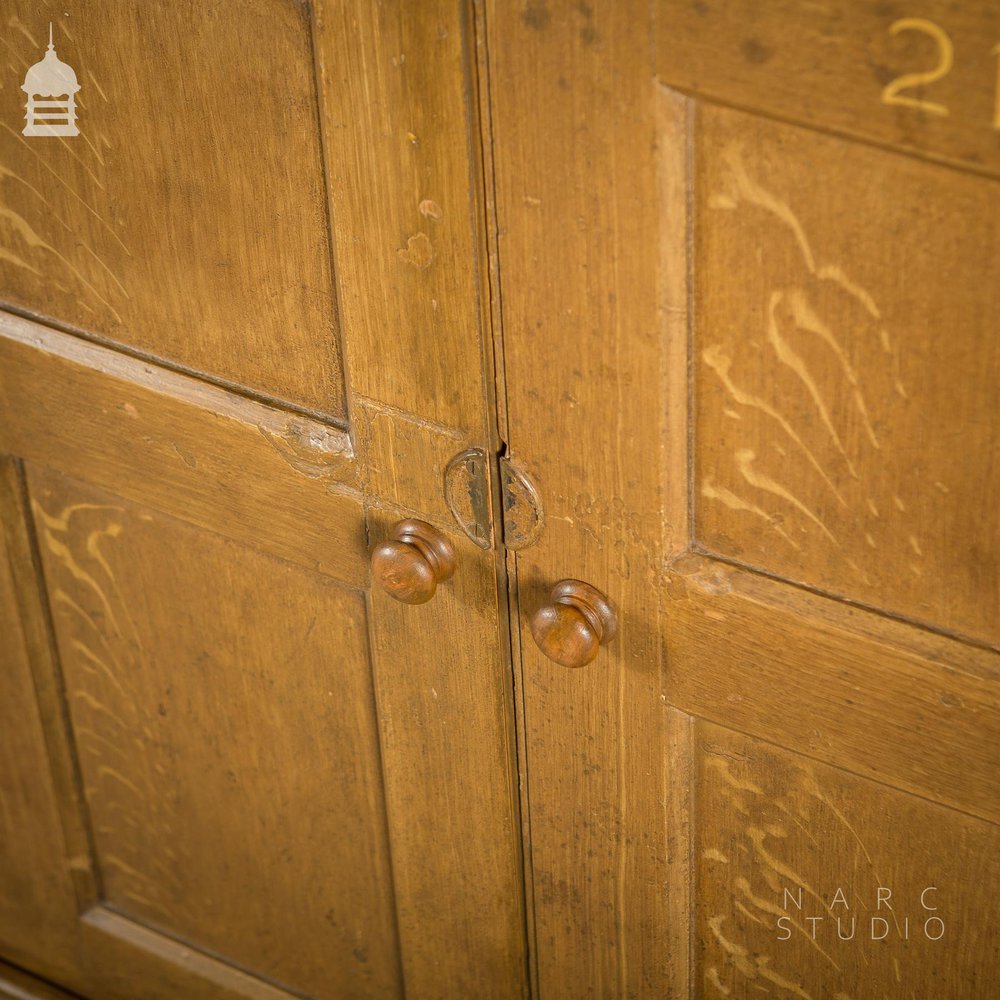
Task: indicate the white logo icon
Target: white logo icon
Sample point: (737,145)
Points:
(55,83)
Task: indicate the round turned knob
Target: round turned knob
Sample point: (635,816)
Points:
(416,559)
(577,620)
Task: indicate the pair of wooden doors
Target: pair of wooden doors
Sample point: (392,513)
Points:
(716,281)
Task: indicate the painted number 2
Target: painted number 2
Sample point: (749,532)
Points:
(894,92)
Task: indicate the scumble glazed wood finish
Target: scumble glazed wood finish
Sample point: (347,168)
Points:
(735,260)
(206,744)
(36,885)
(399,143)
(591,214)
(188,221)
(812,882)
(920,77)
(819,371)
(880,698)
(677,274)
(403,189)
(17,985)
(262,763)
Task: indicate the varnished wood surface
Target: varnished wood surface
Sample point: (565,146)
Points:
(250,490)
(403,187)
(239,468)
(400,142)
(833,66)
(917,907)
(37,900)
(413,561)
(188,220)
(846,411)
(449,785)
(638,225)
(880,698)
(596,410)
(574,624)
(738,300)
(208,743)
(17,985)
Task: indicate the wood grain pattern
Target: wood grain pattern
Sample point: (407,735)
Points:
(829,64)
(231,771)
(17,985)
(121,956)
(400,144)
(189,218)
(450,785)
(846,417)
(738,305)
(611,190)
(405,457)
(37,900)
(574,624)
(236,467)
(770,821)
(239,494)
(590,163)
(883,699)
(396,118)
(414,560)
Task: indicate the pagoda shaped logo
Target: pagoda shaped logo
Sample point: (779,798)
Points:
(51,88)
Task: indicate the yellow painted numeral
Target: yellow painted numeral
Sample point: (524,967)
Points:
(946,54)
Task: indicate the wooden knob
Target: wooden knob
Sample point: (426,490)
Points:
(577,620)
(416,559)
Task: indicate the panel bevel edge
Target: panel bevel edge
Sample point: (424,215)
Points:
(949,687)
(344,399)
(681,887)
(17,984)
(675,177)
(326,440)
(160,952)
(179,445)
(39,635)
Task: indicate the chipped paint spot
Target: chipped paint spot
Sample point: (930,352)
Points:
(430,209)
(419,251)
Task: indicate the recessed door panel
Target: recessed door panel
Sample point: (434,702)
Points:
(225,728)
(229,696)
(814,882)
(36,889)
(188,219)
(845,369)
(753,378)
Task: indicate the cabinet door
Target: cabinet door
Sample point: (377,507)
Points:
(232,766)
(749,328)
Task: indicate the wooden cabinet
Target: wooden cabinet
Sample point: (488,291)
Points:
(692,305)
